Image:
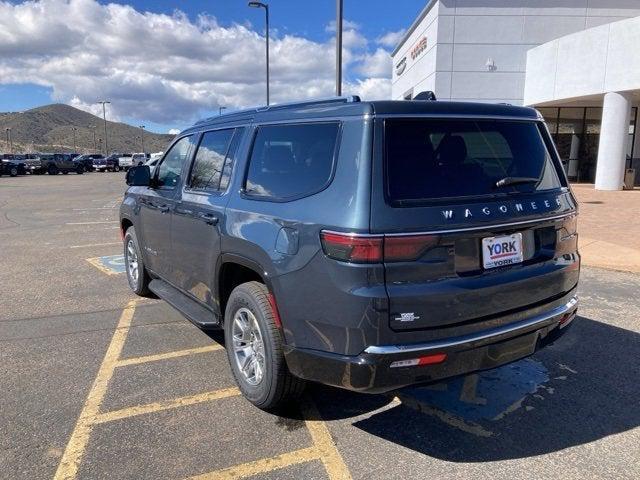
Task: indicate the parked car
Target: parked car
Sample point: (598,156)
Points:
(364,245)
(87,160)
(11,167)
(125,161)
(152,162)
(55,163)
(139,158)
(32,163)
(111,164)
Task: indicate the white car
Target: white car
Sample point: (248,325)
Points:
(125,161)
(153,162)
(139,158)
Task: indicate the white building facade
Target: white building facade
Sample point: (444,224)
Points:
(577,61)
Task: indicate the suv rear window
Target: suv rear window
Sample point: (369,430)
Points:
(291,161)
(442,158)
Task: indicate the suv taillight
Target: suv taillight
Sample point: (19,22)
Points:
(354,248)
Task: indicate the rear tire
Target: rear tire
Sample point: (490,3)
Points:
(116,168)
(52,170)
(80,170)
(13,172)
(137,275)
(250,333)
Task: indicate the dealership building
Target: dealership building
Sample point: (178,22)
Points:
(576,61)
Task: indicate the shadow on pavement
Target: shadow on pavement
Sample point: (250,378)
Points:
(590,391)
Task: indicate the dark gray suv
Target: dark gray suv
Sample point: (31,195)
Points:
(365,245)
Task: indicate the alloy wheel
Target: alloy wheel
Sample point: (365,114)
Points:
(248,346)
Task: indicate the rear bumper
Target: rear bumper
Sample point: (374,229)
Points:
(371,371)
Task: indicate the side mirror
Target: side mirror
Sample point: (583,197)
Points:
(139,176)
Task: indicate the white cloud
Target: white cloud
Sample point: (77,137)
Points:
(377,64)
(173,131)
(390,39)
(167,68)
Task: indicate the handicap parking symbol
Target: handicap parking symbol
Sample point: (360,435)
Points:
(110,264)
(488,395)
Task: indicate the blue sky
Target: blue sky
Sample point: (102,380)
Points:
(164,68)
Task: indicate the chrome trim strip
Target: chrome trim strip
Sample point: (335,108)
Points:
(456,230)
(478,337)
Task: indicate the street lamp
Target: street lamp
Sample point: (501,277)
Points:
(266,13)
(9,142)
(220,109)
(142,137)
(104,117)
(93,129)
(338,48)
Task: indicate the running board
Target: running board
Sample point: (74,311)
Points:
(192,310)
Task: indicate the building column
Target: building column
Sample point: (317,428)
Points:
(614,135)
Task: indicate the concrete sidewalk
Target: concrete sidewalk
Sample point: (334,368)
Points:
(609,228)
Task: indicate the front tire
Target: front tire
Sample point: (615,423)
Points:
(80,170)
(13,172)
(255,349)
(116,168)
(137,275)
(52,170)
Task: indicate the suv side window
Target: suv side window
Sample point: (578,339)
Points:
(171,167)
(206,172)
(291,161)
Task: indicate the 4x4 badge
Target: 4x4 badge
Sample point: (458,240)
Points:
(407,317)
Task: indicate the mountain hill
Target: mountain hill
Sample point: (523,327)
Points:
(50,129)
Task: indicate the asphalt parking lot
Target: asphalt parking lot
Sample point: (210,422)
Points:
(96,383)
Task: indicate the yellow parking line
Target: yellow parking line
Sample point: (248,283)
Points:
(68,467)
(329,454)
(262,466)
(163,356)
(165,405)
(96,263)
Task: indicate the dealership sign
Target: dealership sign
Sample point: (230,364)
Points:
(418,48)
(401,65)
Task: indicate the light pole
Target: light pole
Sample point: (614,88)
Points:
(104,117)
(266,16)
(142,137)
(338,48)
(220,109)
(9,142)
(93,129)
(74,139)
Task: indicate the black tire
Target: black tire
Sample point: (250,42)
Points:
(13,172)
(116,168)
(278,387)
(139,285)
(80,170)
(52,170)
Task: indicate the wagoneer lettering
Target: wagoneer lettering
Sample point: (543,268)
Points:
(449,246)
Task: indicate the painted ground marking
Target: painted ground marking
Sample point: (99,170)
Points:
(110,264)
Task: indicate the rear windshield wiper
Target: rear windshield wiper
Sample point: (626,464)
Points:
(516,180)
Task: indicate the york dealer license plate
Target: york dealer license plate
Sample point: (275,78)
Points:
(501,251)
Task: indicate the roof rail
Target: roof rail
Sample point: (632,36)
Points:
(277,106)
(426,95)
(315,101)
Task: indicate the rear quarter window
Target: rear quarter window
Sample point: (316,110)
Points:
(432,159)
(291,161)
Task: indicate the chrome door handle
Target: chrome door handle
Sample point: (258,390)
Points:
(208,218)
(183,211)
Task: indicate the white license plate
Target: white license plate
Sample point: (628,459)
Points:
(501,251)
